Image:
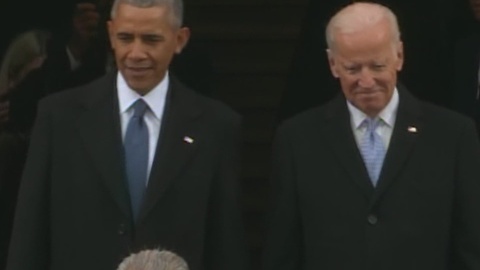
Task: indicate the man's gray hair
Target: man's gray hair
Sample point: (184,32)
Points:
(176,6)
(359,16)
(153,259)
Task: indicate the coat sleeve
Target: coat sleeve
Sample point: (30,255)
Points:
(29,246)
(225,240)
(466,216)
(284,245)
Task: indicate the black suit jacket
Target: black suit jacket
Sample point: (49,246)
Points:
(58,74)
(74,212)
(423,214)
(467,62)
(12,157)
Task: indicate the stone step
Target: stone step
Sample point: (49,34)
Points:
(256,161)
(252,3)
(250,91)
(248,58)
(245,21)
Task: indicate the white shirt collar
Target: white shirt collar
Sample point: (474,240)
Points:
(388,114)
(74,63)
(155,98)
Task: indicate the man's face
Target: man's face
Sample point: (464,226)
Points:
(366,63)
(475,6)
(144,41)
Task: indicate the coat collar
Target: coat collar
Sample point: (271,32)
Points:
(408,127)
(99,126)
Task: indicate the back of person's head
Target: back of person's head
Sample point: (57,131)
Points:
(22,51)
(153,259)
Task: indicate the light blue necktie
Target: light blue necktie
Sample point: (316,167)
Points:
(136,155)
(373,150)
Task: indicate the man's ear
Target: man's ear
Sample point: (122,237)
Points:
(111,35)
(183,35)
(400,56)
(332,63)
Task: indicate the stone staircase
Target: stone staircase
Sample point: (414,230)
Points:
(251,44)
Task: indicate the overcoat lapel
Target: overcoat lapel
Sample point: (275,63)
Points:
(99,126)
(408,126)
(343,145)
(179,139)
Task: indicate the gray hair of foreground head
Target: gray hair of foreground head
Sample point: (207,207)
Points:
(153,259)
(176,6)
(360,16)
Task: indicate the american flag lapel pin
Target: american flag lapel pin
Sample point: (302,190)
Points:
(412,129)
(188,139)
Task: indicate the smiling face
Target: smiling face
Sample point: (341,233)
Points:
(366,62)
(144,40)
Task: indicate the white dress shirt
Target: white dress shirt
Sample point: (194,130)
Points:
(385,128)
(74,63)
(155,100)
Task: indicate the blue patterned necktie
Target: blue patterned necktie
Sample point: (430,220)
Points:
(373,150)
(136,155)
